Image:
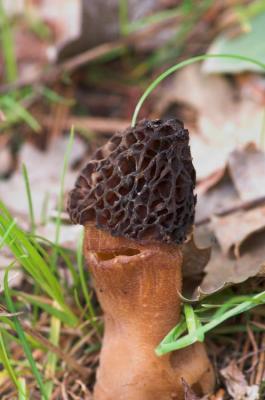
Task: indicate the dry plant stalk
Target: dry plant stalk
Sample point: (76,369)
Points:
(136,201)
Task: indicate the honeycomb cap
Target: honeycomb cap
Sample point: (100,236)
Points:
(140,184)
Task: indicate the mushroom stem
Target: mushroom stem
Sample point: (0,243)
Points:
(138,286)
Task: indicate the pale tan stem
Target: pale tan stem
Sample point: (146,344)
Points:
(138,287)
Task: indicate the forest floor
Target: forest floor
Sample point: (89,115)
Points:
(59,101)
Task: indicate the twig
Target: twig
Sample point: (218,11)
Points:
(250,354)
(255,354)
(244,352)
(261,364)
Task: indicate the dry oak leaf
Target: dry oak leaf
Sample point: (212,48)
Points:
(220,197)
(232,230)
(237,385)
(225,270)
(194,258)
(247,170)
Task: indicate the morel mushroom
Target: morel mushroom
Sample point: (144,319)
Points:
(136,200)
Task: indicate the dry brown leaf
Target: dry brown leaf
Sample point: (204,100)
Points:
(247,170)
(222,270)
(237,128)
(237,385)
(223,121)
(210,181)
(194,258)
(232,230)
(217,199)
(188,392)
(194,261)
(198,90)
(207,158)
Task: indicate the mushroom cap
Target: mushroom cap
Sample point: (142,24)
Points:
(140,184)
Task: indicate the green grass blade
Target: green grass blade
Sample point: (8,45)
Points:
(176,332)
(190,338)
(80,266)
(27,252)
(4,358)
(31,210)
(61,197)
(190,318)
(123,17)
(180,65)
(7,232)
(52,358)
(54,97)
(22,393)
(8,47)
(19,112)
(23,339)
(44,305)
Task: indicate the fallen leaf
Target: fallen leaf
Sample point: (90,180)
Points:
(210,181)
(223,121)
(194,261)
(249,44)
(237,385)
(232,230)
(217,199)
(199,90)
(216,156)
(246,168)
(188,392)
(223,270)
(194,258)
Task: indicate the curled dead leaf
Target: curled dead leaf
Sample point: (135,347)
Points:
(194,258)
(246,167)
(189,394)
(233,230)
(237,385)
(225,270)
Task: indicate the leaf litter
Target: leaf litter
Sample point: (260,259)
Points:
(228,246)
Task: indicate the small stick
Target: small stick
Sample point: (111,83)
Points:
(255,356)
(244,352)
(261,364)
